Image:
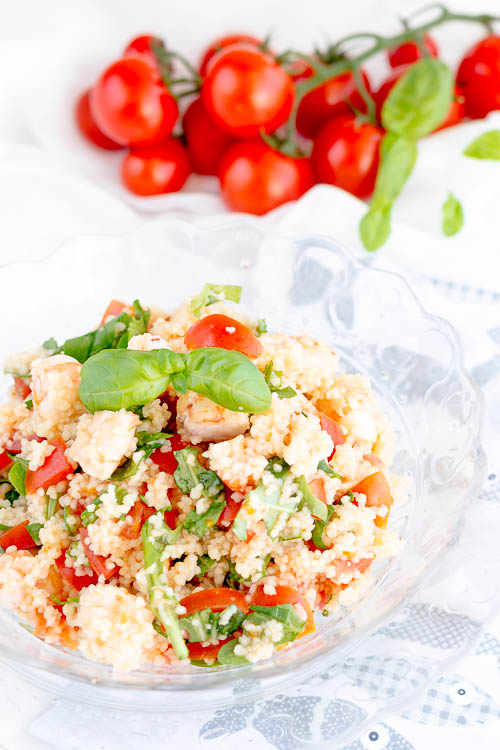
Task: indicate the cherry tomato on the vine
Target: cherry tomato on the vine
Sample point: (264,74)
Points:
(479,77)
(255,178)
(88,127)
(141,46)
(328,100)
(156,168)
(457,111)
(206,141)
(246,91)
(410,52)
(346,154)
(130,103)
(220,44)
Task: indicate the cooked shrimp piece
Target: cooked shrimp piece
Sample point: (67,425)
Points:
(102,440)
(201,420)
(54,386)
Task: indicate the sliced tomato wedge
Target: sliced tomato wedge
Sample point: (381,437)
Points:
(22,387)
(198,652)
(69,574)
(114,308)
(54,469)
(285,595)
(97,562)
(229,513)
(167,461)
(18,536)
(5,460)
(224,332)
(333,428)
(215,599)
(139,513)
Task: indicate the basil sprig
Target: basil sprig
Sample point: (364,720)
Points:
(452,216)
(214,293)
(485,146)
(121,378)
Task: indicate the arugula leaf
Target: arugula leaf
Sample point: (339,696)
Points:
(163,602)
(485,146)
(319,527)
(214,293)
(199,524)
(273,379)
(33,530)
(205,562)
(17,474)
(453,216)
(325,466)
(115,334)
(227,656)
(261,326)
(284,613)
(309,499)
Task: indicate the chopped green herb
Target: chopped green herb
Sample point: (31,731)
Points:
(309,499)
(33,530)
(17,474)
(29,403)
(206,625)
(11,494)
(325,466)
(319,527)
(89,516)
(69,519)
(485,146)
(3,527)
(205,562)
(200,523)
(452,216)
(70,600)
(50,507)
(273,379)
(214,293)
(227,656)
(293,625)
(261,326)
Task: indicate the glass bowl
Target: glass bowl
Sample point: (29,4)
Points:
(372,319)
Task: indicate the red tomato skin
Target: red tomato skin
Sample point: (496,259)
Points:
(97,562)
(140,46)
(156,168)
(410,52)
(229,513)
(346,154)
(88,126)
(69,575)
(457,111)
(329,100)
(333,428)
(216,599)
(114,308)
(167,461)
(17,536)
(22,387)
(222,43)
(255,178)
(285,595)
(376,488)
(139,513)
(246,91)
(54,469)
(198,652)
(206,141)
(131,105)
(479,77)
(5,460)
(212,331)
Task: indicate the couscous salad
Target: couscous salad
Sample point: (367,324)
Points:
(188,486)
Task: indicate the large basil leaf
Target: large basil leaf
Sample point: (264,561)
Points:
(228,378)
(214,293)
(420,100)
(120,378)
(485,146)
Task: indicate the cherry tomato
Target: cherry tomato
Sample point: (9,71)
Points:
(255,178)
(299,70)
(139,513)
(333,428)
(457,111)
(285,595)
(167,461)
(479,77)
(224,332)
(410,52)
(206,141)
(5,460)
(69,574)
(88,126)
(54,469)
(346,154)
(156,168)
(220,44)
(18,536)
(130,103)
(215,599)
(328,100)
(246,91)
(114,308)
(97,562)
(230,512)
(198,652)
(141,46)
(22,387)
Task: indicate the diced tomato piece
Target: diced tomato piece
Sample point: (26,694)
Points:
(15,446)
(139,513)
(333,428)
(318,489)
(228,515)
(97,562)
(69,574)
(167,461)
(22,387)
(215,599)
(346,566)
(114,308)
(5,460)
(170,516)
(54,469)
(224,332)
(18,536)
(198,652)
(376,488)
(285,595)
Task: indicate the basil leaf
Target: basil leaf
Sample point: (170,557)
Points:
(229,620)
(190,473)
(453,216)
(284,613)
(3,527)
(273,379)
(325,466)
(50,507)
(162,601)
(261,326)
(214,293)
(52,346)
(17,474)
(239,527)
(375,227)
(207,625)
(11,495)
(397,159)
(147,442)
(227,656)
(270,497)
(233,578)
(485,146)
(319,527)
(29,403)
(116,333)
(205,562)
(228,378)
(419,102)
(121,378)
(89,516)
(33,530)
(309,499)
(200,523)
(71,600)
